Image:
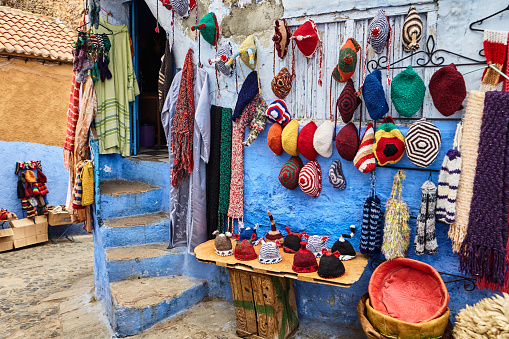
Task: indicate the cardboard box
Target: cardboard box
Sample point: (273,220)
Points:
(31,240)
(42,237)
(6,239)
(41,225)
(62,218)
(20,243)
(29,231)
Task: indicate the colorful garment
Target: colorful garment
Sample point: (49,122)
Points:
(72,118)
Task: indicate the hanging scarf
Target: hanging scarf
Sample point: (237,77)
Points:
(425,236)
(225,167)
(484,248)
(88,111)
(396,230)
(495,49)
(72,119)
(469,146)
(165,75)
(213,170)
(183,125)
(372,223)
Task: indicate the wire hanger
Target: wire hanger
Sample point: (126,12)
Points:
(86,23)
(479,22)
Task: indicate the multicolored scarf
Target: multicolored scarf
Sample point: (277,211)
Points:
(214,170)
(183,125)
(72,119)
(495,49)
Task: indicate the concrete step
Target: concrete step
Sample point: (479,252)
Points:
(140,303)
(135,230)
(150,260)
(121,198)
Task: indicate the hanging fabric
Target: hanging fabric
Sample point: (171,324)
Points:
(372,222)
(425,236)
(165,75)
(214,170)
(72,118)
(495,49)
(225,168)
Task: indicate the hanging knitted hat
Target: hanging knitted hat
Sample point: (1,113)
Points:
(289,137)
(412,31)
(209,28)
(372,224)
(315,244)
(292,241)
(308,41)
(247,92)
(347,61)
(365,160)
(41,178)
(374,96)
(30,176)
(305,141)
(281,37)
(407,92)
(274,139)
(322,141)
(282,83)
(344,247)
(389,145)
(248,52)
(422,143)
(223,244)
(347,141)
(330,267)
(245,251)
(448,90)
(277,112)
(273,234)
(257,124)
(348,101)
(222,55)
(304,260)
(181,7)
(289,174)
(310,179)
(379,31)
(269,253)
(425,237)
(336,176)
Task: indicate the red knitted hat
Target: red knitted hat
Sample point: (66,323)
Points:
(245,251)
(448,90)
(347,141)
(304,260)
(307,39)
(274,139)
(305,141)
(348,101)
(310,179)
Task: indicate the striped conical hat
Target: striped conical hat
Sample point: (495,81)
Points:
(310,179)
(422,143)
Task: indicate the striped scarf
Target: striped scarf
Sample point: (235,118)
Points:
(72,119)
(183,125)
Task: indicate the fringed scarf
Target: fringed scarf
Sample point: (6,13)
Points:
(484,249)
(72,119)
(183,125)
(425,235)
(225,167)
(214,170)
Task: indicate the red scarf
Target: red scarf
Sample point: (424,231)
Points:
(72,119)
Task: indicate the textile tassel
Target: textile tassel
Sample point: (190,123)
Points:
(425,237)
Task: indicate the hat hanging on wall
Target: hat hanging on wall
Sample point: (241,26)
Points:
(412,31)
(182,7)
(248,52)
(365,160)
(347,141)
(274,139)
(348,101)
(336,176)
(322,141)
(289,174)
(208,27)
(422,143)
(310,179)
(379,31)
(222,55)
(448,90)
(281,37)
(374,95)
(308,41)
(289,137)
(305,141)
(347,61)
(292,241)
(277,112)
(389,145)
(247,93)
(282,83)
(407,92)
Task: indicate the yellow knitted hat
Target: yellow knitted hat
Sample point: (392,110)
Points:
(248,52)
(289,137)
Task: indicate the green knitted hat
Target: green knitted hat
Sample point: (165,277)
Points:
(209,28)
(347,61)
(407,92)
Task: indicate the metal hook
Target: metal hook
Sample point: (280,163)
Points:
(479,22)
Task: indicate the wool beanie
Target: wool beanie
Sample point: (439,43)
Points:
(407,92)
(412,31)
(292,241)
(448,90)
(277,112)
(347,61)
(245,251)
(269,254)
(330,266)
(273,234)
(336,176)
(289,137)
(389,145)
(365,160)
(274,139)
(422,143)
(41,178)
(281,37)
(374,95)
(282,83)
(289,174)
(222,55)
(223,244)
(308,41)
(379,30)
(248,53)
(448,183)
(322,141)
(348,101)
(344,247)
(257,124)
(247,93)
(310,179)
(181,7)
(247,233)
(304,260)
(30,176)
(209,28)
(305,141)
(315,244)
(347,141)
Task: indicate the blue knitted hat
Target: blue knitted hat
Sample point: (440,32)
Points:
(247,93)
(374,96)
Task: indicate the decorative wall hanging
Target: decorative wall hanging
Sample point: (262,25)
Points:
(425,237)
(289,138)
(374,95)
(389,145)
(248,53)
(308,41)
(412,31)
(347,61)
(305,141)
(277,112)
(274,139)
(365,160)
(310,179)
(448,90)
(347,141)
(289,174)
(336,176)
(322,141)
(407,92)
(422,143)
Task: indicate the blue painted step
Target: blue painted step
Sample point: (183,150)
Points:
(135,230)
(152,260)
(122,198)
(140,303)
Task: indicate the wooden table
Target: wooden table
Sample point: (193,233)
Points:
(263,295)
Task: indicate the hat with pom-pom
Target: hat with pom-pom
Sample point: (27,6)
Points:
(365,160)
(448,90)
(379,31)
(245,251)
(223,244)
(315,244)
(292,241)
(305,141)
(304,260)
(281,37)
(322,141)
(389,145)
(336,176)
(310,179)
(374,95)
(289,174)
(222,55)
(308,41)
(269,253)
(330,266)
(344,247)
(289,137)
(347,61)
(277,112)
(273,234)
(274,139)
(208,27)
(347,141)
(247,93)
(348,101)
(248,52)
(247,233)
(407,92)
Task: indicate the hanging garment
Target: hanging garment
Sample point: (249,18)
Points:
(72,118)
(88,111)
(213,170)
(495,49)
(114,95)
(188,200)
(372,224)
(425,236)
(165,75)
(396,229)
(225,169)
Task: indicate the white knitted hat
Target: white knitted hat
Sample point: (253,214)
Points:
(322,141)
